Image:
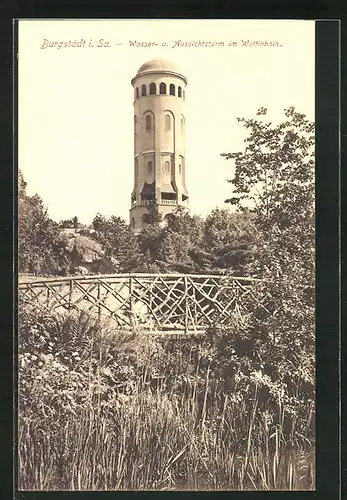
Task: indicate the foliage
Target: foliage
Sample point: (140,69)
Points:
(72,223)
(73,357)
(150,237)
(39,248)
(272,343)
(155,441)
(152,217)
(181,243)
(118,241)
(94,415)
(230,240)
(180,236)
(276,170)
(188,243)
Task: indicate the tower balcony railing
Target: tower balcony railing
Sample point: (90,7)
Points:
(168,202)
(146,203)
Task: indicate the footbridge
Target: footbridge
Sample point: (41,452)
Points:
(160,303)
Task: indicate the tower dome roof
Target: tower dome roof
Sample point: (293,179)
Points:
(159,66)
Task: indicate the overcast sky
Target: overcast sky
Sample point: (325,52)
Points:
(75,134)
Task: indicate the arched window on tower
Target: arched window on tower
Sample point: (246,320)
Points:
(150,167)
(172,89)
(179,92)
(152,89)
(162,88)
(180,169)
(132,222)
(184,94)
(143,90)
(166,167)
(148,123)
(182,125)
(167,122)
(136,168)
(137,93)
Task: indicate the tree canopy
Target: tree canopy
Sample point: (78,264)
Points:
(274,177)
(39,247)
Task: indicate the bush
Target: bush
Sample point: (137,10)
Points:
(106,409)
(68,361)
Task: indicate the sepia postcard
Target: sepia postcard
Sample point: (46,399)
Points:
(166,255)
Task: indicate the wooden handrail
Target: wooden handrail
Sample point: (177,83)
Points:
(107,277)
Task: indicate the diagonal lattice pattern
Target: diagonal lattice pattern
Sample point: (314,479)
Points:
(160,302)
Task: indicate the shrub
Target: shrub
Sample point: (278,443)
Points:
(91,416)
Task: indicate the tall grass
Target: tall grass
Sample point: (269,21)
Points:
(154,440)
(151,436)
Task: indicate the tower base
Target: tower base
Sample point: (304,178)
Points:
(136,213)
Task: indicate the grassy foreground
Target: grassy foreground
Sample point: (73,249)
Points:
(95,415)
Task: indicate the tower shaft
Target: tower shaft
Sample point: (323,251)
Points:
(159,141)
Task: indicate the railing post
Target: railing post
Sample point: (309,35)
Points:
(70,294)
(99,305)
(150,300)
(131,300)
(186,305)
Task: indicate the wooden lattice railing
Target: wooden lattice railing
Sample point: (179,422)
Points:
(164,303)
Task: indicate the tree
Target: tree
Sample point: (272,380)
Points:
(182,222)
(276,171)
(168,244)
(230,239)
(39,247)
(118,241)
(150,237)
(181,235)
(72,223)
(274,176)
(75,221)
(152,217)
